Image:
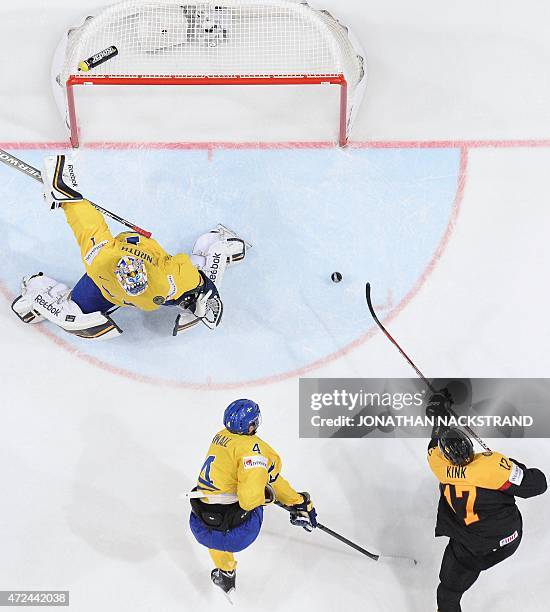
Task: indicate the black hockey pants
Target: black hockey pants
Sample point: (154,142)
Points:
(460,569)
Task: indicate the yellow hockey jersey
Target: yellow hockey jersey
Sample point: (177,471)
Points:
(168,277)
(243,465)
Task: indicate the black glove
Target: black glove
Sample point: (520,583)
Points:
(439,404)
(304,514)
(269,494)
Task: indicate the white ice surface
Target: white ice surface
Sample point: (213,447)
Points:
(92,464)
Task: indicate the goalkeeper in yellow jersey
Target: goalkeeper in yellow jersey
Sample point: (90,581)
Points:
(240,475)
(123,270)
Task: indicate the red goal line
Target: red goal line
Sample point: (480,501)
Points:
(358,144)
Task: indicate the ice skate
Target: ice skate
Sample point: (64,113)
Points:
(224,580)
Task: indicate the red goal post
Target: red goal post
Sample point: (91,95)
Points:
(209,42)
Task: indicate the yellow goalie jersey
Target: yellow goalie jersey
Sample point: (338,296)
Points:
(167,277)
(243,465)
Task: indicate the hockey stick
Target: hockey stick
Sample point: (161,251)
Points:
(411,363)
(353,545)
(14,162)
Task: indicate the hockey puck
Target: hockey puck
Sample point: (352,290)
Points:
(336,277)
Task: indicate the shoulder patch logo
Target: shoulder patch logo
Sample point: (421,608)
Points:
(516,476)
(255,462)
(94,251)
(173,288)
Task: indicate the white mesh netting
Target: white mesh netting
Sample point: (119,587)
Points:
(171,42)
(213,38)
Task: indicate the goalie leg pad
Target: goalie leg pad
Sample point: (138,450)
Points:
(239,247)
(24,303)
(214,251)
(44,298)
(60,184)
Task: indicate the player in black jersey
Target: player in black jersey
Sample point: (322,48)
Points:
(477,508)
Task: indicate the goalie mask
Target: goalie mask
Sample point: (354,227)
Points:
(131,274)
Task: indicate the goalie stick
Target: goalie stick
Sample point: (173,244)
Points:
(363,551)
(14,162)
(411,363)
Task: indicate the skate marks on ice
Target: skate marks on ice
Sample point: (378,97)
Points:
(381,214)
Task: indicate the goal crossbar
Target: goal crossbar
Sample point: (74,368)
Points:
(76,80)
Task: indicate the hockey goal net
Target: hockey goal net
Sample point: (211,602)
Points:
(222,42)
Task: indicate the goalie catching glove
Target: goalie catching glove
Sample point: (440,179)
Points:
(60,184)
(304,514)
(200,304)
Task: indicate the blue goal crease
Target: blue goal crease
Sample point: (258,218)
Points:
(370,214)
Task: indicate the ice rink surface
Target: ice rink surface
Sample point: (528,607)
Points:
(441,202)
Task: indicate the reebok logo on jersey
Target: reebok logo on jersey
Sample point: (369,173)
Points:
(214,268)
(92,253)
(48,306)
(255,462)
(516,476)
(456,471)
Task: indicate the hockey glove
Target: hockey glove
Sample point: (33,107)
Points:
(204,302)
(60,185)
(439,404)
(200,306)
(269,495)
(304,514)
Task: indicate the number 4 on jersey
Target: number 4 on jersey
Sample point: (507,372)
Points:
(204,476)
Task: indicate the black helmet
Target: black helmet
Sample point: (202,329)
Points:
(456,446)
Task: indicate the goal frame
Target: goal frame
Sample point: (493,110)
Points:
(77,80)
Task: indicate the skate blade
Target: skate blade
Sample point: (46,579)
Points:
(226,230)
(227,596)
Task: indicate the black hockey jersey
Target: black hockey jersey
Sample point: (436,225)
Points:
(477,506)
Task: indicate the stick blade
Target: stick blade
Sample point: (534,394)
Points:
(399,561)
(369,302)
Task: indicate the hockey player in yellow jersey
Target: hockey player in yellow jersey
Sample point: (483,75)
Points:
(240,475)
(477,507)
(123,270)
